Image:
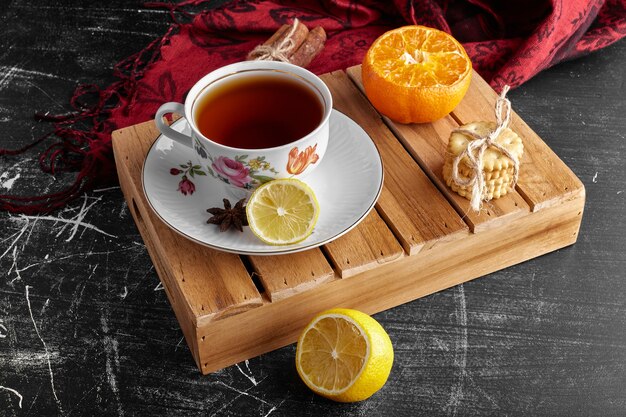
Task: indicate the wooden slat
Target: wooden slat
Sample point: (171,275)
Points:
(208,283)
(428,143)
(419,215)
(367,246)
(544,179)
(285,275)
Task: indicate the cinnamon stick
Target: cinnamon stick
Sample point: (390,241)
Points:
(278,36)
(310,48)
(277,41)
(298,37)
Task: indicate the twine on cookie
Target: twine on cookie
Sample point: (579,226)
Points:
(476,149)
(276,52)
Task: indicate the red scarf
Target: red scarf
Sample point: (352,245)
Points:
(508,42)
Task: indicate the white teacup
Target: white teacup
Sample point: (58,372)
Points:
(245,168)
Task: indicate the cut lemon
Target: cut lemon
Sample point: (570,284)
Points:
(282,212)
(416,74)
(344,355)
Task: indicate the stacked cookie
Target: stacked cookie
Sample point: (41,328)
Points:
(498,169)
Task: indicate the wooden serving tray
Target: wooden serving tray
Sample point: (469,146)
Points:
(421,238)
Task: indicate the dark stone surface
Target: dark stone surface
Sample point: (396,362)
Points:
(547,337)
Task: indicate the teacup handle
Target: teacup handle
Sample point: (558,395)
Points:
(167,108)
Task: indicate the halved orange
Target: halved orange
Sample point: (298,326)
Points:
(416,74)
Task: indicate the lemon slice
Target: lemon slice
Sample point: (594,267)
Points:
(344,355)
(282,212)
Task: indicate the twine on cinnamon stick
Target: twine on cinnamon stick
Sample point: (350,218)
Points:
(310,48)
(278,52)
(291,43)
(476,149)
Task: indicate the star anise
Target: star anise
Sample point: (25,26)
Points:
(229,216)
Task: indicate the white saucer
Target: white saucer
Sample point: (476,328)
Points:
(347,184)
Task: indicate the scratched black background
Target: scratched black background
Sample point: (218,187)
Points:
(544,338)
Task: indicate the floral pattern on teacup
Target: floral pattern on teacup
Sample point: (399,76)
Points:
(233,171)
(245,173)
(200,149)
(241,172)
(299,161)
